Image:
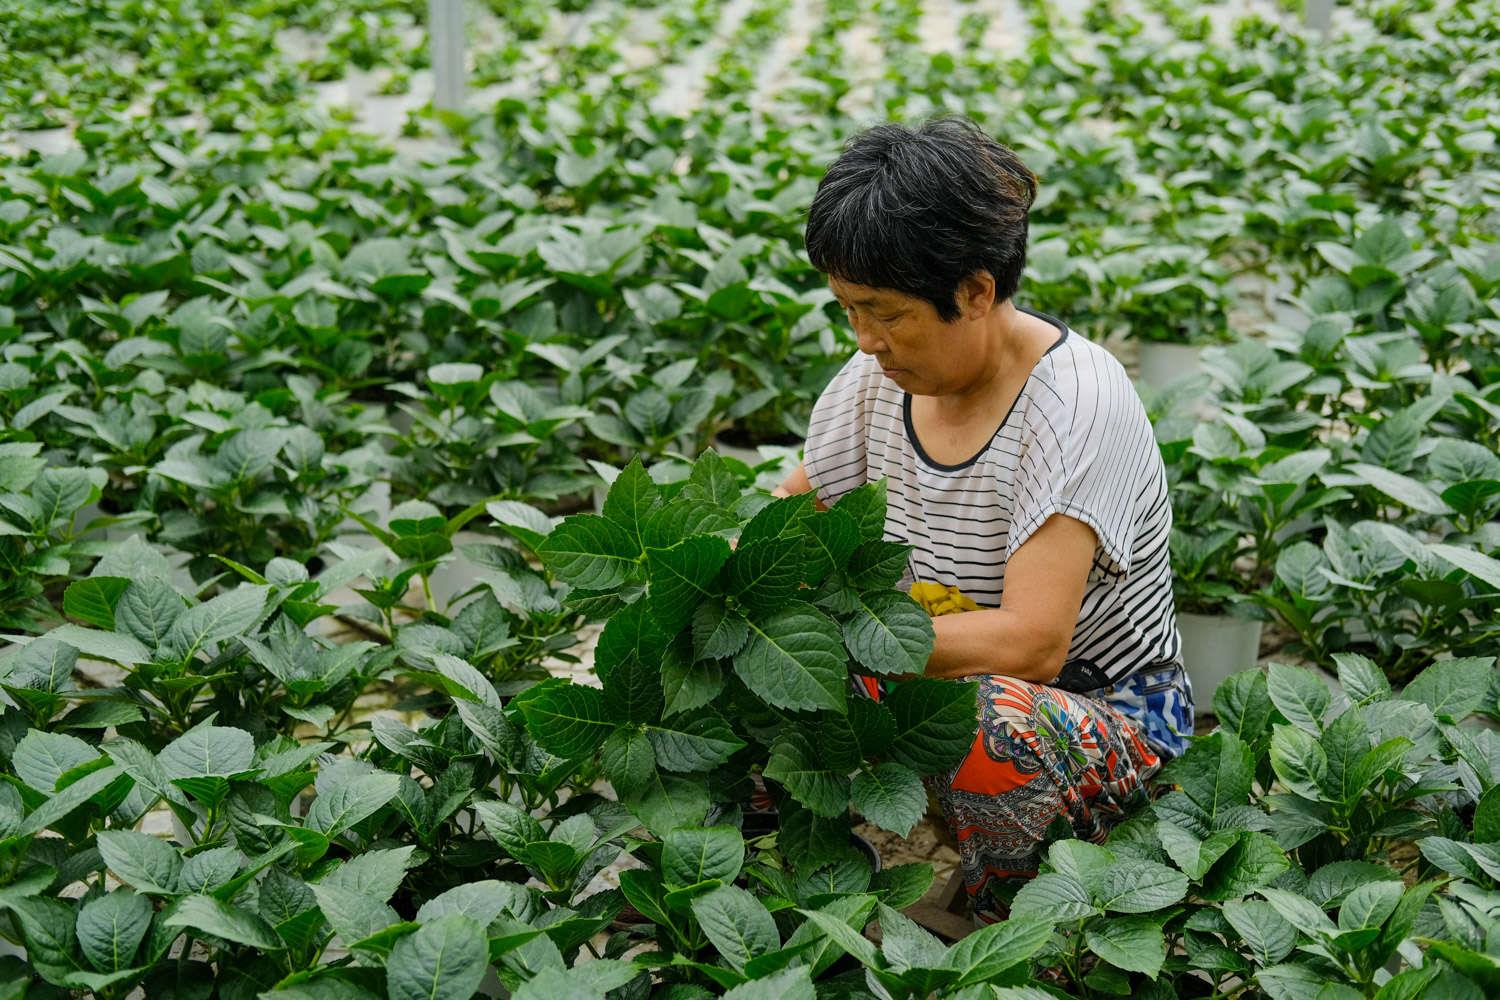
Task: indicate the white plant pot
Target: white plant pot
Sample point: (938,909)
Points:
(1213,647)
(1162,364)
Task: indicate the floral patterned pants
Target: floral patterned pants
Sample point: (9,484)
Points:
(1040,753)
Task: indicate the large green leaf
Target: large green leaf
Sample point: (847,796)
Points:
(797,763)
(1455,688)
(936,722)
(891,796)
(223,617)
(1299,695)
(146,863)
(1265,932)
(697,854)
(590,552)
(683,577)
(41,758)
(148,609)
(93,600)
(889,634)
(692,744)
(669,802)
(111,928)
(631,501)
(568,720)
(1134,885)
(737,924)
(207,915)
(795,659)
(866,506)
(351,801)
(1134,944)
(208,751)
(832,536)
(628,762)
(445,959)
(763,575)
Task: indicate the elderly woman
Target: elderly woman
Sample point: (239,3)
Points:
(1023,471)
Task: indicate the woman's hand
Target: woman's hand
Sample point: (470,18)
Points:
(797,483)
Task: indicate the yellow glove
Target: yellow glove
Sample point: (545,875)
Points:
(938,599)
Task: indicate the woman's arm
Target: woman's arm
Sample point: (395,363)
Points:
(1029,634)
(796,483)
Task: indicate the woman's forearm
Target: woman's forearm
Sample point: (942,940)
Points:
(992,641)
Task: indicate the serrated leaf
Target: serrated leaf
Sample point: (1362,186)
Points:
(683,577)
(936,722)
(692,744)
(763,575)
(111,928)
(628,762)
(1133,885)
(889,633)
(796,763)
(1298,695)
(143,862)
(445,959)
(691,855)
(590,552)
(1455,688)
(718,633)
(795,659)
(890,796)
(1134,944)
(223,617)
(565,719)
(350,802)
(207,915)
(93,600)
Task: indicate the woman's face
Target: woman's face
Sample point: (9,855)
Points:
(915,348)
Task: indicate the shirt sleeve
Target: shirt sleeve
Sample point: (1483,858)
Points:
(1085,452)
(835,456)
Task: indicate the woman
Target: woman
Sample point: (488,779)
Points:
(1023,470)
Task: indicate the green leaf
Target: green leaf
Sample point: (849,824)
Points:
(377,874)
(143,862)
(101,645)
(797,763)
(991,950)
(353,915)
(712,481)
(590,552)
(41,758)
(900,886)
(669,802)
(1403,489)
(1265,932)
(1215,774)
(442,960)
(148,609)
(1133,885)
(208,751)
(565,719)
(782,518)
(1299,761)
(795,659)
(1053,896)
(631,501)
(93,600)
(906,945)
(845,937)
(1134,944)
(628,762)
(718,633)
(936,722)
(764,575)
(111,928)
(1254,861)
(228,615)
(1298,695)
(690,745)
(207,915)
(350,802)
(70,798)
(512,827)
(878,565)
(832,536)
(889,634)
(683,577)
(1455,688)
(698,854)
(866,505)
(788,984)
(891,796)
(736,923)
(1361,679)
(1487,817)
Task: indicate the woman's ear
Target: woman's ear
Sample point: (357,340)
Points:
(976,295)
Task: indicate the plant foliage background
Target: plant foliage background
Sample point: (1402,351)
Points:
(320,446)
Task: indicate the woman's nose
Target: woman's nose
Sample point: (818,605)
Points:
(868,342)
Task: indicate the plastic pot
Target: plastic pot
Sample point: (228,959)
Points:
(1213,647)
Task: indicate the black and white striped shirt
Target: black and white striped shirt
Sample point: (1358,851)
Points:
(1076,442)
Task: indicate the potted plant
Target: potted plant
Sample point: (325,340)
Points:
(1179,305)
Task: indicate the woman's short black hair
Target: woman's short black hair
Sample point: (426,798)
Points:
(918,210)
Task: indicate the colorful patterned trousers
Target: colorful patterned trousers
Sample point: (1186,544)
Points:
(1039,754)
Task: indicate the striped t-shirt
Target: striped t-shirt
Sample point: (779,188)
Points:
(1077,442)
